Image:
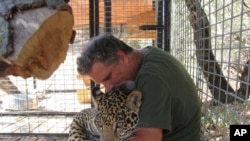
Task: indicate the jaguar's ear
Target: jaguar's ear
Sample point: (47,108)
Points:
(96,95)
(134,100)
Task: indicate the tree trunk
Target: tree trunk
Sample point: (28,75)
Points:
(217,83)
(37,39)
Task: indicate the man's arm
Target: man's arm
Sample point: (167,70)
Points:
(147,134)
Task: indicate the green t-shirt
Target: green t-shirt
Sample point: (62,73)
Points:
(170,99)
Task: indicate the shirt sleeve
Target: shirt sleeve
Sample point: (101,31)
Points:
(156,110)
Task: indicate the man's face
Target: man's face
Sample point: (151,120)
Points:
(109,76)
(114,74)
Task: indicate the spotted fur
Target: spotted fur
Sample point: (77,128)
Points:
(114,117)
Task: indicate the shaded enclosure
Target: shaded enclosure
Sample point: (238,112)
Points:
(210,37)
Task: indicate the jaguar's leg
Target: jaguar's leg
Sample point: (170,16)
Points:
(82,127)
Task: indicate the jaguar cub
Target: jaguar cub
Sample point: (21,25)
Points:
(114,117)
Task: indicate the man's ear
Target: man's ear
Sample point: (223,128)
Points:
(122,56)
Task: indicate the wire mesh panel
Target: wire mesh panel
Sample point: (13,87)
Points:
(211,38)
(32,106)
(126,18)
(46,107)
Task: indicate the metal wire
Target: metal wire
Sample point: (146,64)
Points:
(230,46)
(222,81)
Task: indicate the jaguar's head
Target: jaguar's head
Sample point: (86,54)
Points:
(118,112)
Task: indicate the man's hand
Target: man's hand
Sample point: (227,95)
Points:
(147,134)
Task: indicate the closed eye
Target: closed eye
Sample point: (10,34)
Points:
(107,77)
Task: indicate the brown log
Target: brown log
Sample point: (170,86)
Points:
(40,42)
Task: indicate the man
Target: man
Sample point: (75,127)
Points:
(170,109)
